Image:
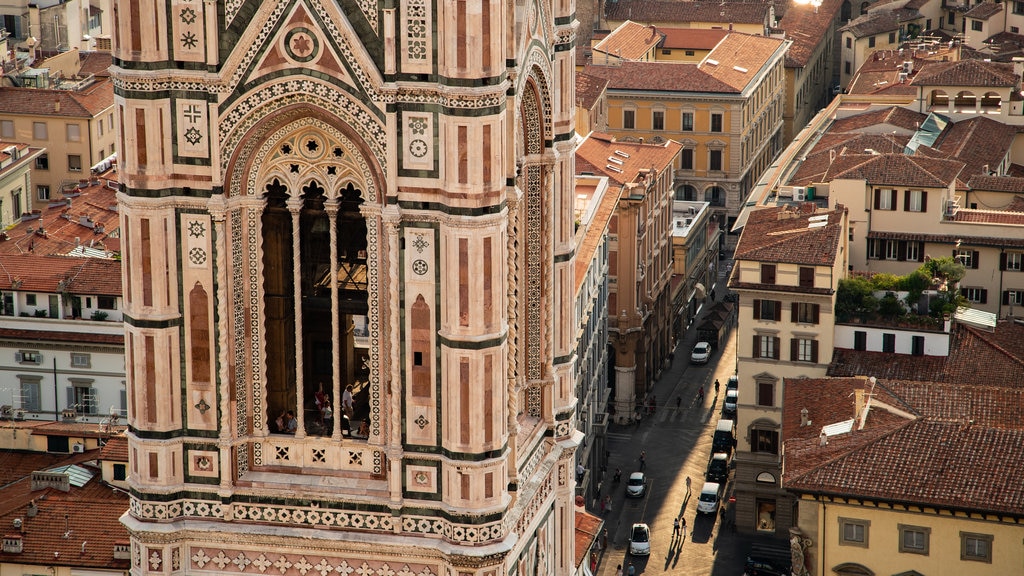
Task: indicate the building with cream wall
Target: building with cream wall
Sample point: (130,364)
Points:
(727,112)
(375,196)
(788,264)
(892,476)
(640,314)
(76,127)
(16,162)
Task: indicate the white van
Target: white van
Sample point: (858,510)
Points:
(710,495)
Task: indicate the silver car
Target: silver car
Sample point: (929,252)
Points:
(640,540)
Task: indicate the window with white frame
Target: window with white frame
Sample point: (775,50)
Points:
(80,360)
(965,257)
(885,199)
(976,547)
(915,201)
(1013,261)
(657,119)
(853,532)
(31,394)
(42,192)
(975,295)
(1014,297)
(805,350)
(687,121)
(913,251)
(766,346)
(74,163)
(629,118)
(892,250)
(914,539)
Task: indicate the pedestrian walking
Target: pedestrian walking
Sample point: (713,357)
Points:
(700,393)
(643,459)
(716,386)
(679,402)
(604,539)
(632,570)
(618,570)
(675,527)
(682,521)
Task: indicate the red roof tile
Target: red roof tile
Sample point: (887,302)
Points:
(48,336)
(588,527)
(938,444)
(597,150)
(984,10)
(806,25)
(95,276)
(659,77)
(86,103)
(998,184)
(966,73)
(872,23)
(692,38)
(740,58)
(115,450)
(660,11)
(895,116)
(899,170)
(589,88)
(96,63)
(781,234)
(630,41)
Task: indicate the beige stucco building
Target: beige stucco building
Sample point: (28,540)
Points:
(16,161)
(371,206)
(75,126)
(891,476)
(788,264)
(640,315)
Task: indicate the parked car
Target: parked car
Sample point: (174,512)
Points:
(636,485)
(718,468)
(733,383)
(724,438)
(640,540)
(763,567)
(701,353)
(710,495)
(731,399)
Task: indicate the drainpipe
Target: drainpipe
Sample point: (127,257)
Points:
(56,402)
(999,314)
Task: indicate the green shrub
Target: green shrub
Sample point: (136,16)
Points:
(98,315)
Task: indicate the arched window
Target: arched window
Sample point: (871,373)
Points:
(686,192)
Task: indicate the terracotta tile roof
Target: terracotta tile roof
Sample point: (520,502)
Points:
(692,38)
(96,63)
(806,25)
(897,170)
(658,11)
(588,527)
(16,464)
(86,103)
(976,357)
(895,116)
(589,89)
(872,23)
(94,276)
(998,184)
(659,77)
(56,336)
(880,82)
(948,445)
(598,148)
(781,234)
(115,450)
(740,58)
(76,429)
(995,241)
(966,73)
(89,517)
(815,168)
(984,10)
(630,41)
(91,218)
(989,217)
(977,142)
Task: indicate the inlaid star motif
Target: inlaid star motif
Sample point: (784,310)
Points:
(188,15)
(196,229)
(302,45)
(189,40)
(193,136)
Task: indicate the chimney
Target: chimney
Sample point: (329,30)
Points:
(858,402)
(56,105)
(803,418)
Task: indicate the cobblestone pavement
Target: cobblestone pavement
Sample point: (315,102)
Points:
(677,442)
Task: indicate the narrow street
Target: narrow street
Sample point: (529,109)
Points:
(677,442)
